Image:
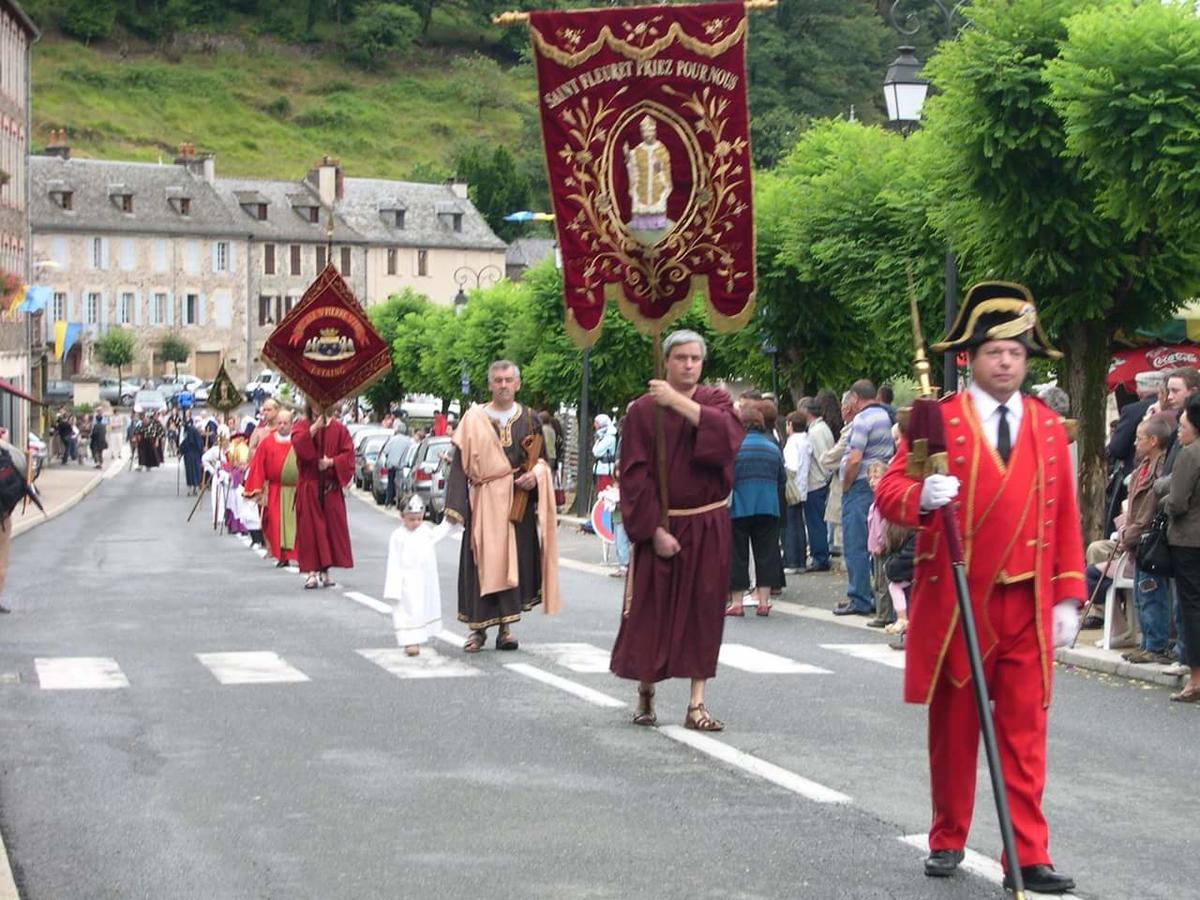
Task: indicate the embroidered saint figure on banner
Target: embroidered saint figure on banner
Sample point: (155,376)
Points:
(646,136)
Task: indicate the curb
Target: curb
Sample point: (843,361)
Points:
(1083,658)
(21,527)
(8,885)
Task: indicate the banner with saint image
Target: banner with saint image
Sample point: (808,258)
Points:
(645,131)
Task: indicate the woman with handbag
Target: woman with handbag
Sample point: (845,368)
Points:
(1182,505)
(1149,587)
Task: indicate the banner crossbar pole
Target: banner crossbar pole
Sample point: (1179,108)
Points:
(515,17)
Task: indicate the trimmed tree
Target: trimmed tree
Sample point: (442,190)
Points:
(174,349)
(1020,202)
(116,348)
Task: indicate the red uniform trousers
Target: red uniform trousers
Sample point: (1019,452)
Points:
(1013,673)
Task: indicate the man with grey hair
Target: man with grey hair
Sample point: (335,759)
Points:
(1121,442)
(675,590)
(505,567)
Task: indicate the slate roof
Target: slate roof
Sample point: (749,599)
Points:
(427,210)
(528,252)
(217,207)
(96,207)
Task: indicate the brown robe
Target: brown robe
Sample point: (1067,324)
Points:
(477,610)
(675,608)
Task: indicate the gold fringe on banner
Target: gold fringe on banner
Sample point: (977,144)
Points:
(514,17)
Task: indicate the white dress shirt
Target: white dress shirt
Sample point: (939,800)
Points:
(986,407)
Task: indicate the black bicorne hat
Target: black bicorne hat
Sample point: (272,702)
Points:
(998,311)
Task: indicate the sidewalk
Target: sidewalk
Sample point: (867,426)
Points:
(61,487)
(822,591)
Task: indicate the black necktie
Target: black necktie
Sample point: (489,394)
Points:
(1003,438)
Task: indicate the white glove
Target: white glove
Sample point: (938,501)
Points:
(937,491)
(1066,622)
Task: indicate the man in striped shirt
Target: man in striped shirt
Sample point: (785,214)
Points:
(870,441)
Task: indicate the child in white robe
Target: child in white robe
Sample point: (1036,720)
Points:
(412,577)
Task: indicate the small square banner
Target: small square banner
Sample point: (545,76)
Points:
(326,346)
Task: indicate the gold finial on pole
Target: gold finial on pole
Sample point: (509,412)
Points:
(920,361)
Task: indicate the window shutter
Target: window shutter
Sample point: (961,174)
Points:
(199,309)
(232,259)
(104,253)
(103,312)
(215,244)
(170,308)
(137,307)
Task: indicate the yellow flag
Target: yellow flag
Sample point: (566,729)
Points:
(18,298)
(60,337)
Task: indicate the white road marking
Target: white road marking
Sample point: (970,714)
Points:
(79,673)
(584,658)
(797,784)
(591,568)
(114,469)
(369,602)
(563,684)
(250,667)
(427,664)
(975,863)
(453,638)
(760,662)
(876,653)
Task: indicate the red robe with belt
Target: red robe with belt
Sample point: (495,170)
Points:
(266,469)
(1020,523)
(322,529)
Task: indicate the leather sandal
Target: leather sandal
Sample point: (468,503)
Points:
(1186,696)
(764,609)
(475,642)
(505,641)
(310,583)
(737,611)
(698,719)
(645,708)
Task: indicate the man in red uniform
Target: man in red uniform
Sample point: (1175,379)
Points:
(1010,476)
(678,577)
(325,455)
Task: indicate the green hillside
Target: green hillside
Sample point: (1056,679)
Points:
(272,110)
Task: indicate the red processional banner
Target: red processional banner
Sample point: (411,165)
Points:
(326,346)
(646,136)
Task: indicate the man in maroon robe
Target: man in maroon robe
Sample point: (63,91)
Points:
(678,577)
(325,455)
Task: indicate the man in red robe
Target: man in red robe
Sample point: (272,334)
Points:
(274,467)
(1009,461)
(678,578)
(326,457)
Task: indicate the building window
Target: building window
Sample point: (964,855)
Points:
(59,311)
(66,199)
(320,258)
(185,206)
(422,263)
(268,259)
(288,303)
(191,309)
(399,218)
(264,310)
(456,219)
(158,309)
(91,310)
(295,259)
(97,253)
(125,310)
(127,203)
(314,214)
(345,262)
(391,261)
(261,212)
(221,264)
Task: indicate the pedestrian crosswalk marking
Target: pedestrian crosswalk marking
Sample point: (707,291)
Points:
(583,658)
(68,673)
(975,863)
(877,653)
(597,698)
(368,601)
(760,662)
(250,667)
(427,664)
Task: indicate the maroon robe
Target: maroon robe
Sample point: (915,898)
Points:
(322,530)
(676,607)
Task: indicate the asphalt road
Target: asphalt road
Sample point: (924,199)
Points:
(458,776)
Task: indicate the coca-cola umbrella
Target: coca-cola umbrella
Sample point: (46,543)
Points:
(1126,364)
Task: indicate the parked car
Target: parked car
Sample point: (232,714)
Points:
(362,434)
(428,470)
(172,384)
(437,489)
(149,401)
(202,392)
(269,381)
(117,393)
(59,392)
(391,456)
(364,459)
(404,478)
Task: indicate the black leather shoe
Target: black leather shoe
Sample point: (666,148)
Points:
(851,611)
(1042,879)
(942,863)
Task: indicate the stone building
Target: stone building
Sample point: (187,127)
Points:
(220,261)
(17,33)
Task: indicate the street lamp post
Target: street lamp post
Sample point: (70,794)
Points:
(464,275)
(905,90)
